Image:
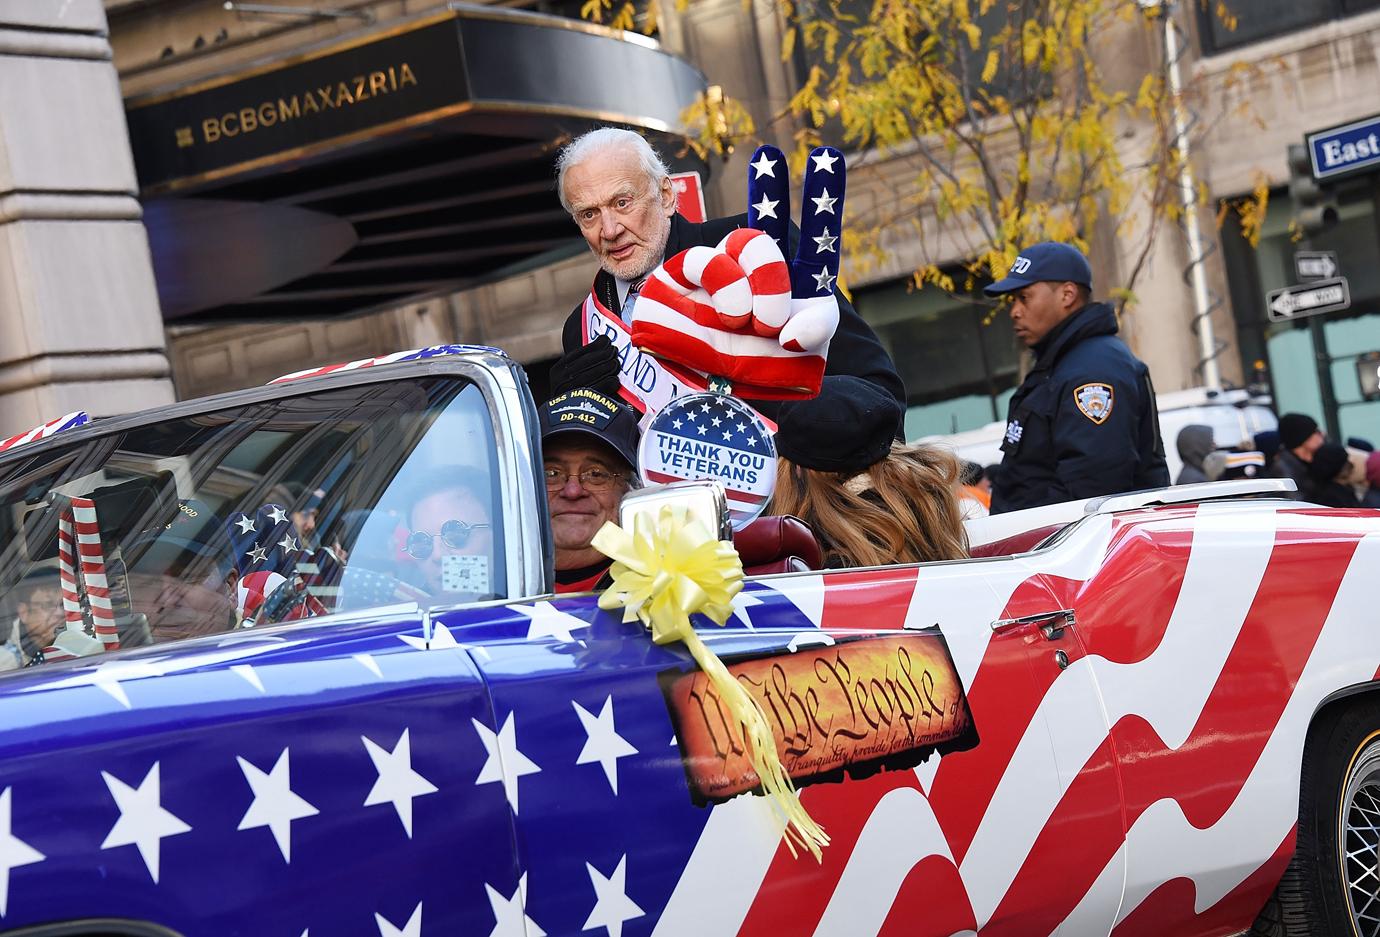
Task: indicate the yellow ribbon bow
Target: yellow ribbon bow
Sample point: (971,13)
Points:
(668,569)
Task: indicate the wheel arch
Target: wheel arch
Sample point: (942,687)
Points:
(1368,690)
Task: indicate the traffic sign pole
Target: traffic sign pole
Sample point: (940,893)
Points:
(1322,361)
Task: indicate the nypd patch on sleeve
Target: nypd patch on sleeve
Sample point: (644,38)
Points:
(1094,401)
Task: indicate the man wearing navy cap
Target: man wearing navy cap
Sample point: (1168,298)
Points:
(1083,422)
(589,453)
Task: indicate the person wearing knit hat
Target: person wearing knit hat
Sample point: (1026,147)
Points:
(1299,438)
(1373,469)
(1266,442)
(1329,477)
(1230,465)
(869,499)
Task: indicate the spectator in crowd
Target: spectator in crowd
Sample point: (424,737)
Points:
(990,473)
(1330,477)
(589,450)
(1266,442)
(1083,422)
(1194,442)
(869,499)
(975,495)
(1371,472)
(618,191)
(1231,464)
(1299,439)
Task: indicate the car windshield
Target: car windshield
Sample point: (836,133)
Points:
(268,512)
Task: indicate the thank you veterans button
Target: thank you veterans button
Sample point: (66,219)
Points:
(713,437)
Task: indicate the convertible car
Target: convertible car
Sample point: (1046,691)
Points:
(288,662)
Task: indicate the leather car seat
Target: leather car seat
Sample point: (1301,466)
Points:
(778,544)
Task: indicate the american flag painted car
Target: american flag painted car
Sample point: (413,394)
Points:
(1155,715)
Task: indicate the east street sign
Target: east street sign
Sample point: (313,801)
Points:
(1315,265)
(1349,148)
(1308,299)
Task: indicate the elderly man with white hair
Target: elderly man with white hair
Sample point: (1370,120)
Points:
(618,190)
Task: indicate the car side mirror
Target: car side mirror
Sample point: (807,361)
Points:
(704,500)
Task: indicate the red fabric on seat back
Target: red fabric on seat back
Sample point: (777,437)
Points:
(1017,543)
(768,544)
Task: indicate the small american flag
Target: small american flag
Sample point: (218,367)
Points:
(416,354)
(268,558)
(44,430)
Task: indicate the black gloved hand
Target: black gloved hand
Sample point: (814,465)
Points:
(595,365)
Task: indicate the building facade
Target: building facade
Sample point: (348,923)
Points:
(437,221)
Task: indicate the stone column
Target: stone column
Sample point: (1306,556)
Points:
(80,327)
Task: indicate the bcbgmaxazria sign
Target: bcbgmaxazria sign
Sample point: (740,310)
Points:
(442,67)
(278,113)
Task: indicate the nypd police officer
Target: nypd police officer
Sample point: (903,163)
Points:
(1083,422)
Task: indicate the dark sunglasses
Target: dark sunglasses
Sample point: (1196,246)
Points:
(453,534)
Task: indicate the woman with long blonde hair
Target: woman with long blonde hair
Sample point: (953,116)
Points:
(870,499)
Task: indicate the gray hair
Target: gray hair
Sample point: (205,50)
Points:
(608,138)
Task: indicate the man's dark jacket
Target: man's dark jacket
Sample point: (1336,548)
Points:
(1288,465)
(854,351)
(1083,423)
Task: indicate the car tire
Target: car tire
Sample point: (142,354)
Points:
(1339,812)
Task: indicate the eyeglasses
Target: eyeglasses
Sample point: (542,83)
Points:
(454,534)
(593,479)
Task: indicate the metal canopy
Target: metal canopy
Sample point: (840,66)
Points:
(409,160)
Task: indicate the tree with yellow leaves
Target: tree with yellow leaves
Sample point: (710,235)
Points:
(997,123)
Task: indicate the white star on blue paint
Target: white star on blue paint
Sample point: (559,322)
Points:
(824,162)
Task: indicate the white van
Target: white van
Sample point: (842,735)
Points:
(1234,415)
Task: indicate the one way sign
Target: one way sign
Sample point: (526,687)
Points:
(1309,299)
(1315,265)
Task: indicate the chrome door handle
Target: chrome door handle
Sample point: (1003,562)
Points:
(1051,623)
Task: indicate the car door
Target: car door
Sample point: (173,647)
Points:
(962,771)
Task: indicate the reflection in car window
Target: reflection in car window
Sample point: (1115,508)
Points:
(269,512)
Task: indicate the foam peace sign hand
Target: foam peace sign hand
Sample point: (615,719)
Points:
(723,311)
(814,309)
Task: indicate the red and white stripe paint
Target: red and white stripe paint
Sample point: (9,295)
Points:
(725,311)
(1151,787)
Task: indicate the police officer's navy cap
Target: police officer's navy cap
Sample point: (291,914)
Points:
(586,411)
(1048,261)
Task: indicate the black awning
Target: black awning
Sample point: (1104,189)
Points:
(413,159)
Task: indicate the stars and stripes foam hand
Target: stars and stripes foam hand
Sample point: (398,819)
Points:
(739,310)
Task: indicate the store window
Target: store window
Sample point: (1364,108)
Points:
(1288,349)
(1254,20)
(959,358)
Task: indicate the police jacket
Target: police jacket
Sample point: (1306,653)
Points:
(855,349)
(1083,422)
